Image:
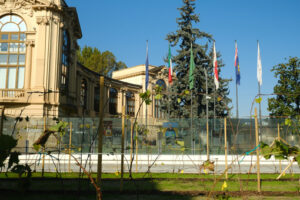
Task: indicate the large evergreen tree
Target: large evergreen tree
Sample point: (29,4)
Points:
(104,63)
(180,97)
(287,90)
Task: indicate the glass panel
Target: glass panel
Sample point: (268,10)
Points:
(3,47)
(22,59)
(14,36)
(22,37)
(2,77)
(4,37)
(13,59)
(21,77)
(13,47)
(10,27)
(3,59)
(22,26)
(16,19)
(5,19)
(11,77)
(22,48)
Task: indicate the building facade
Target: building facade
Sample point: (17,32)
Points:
(39,72)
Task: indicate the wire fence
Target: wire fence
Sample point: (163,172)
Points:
(164,145)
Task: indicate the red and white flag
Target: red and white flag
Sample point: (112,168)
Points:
(216,76)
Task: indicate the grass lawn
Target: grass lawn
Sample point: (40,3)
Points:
(150,186)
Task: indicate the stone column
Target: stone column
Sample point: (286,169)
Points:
(29,46)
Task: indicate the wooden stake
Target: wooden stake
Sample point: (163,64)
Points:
(257,152)
(225,139)
(2,119)
(100,131)
(285,170)
(122,147)
(207,141)
(43,151)
(131,140)
(136,150)
(278,130)
(70,143)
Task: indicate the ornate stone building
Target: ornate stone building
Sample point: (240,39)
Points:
(39,73)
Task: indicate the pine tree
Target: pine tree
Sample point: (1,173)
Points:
(179,100)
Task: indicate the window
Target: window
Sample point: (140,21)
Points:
(130,104)
(83,93)
(96,98)
(65,60)
(12,52)
(113,99)
(158,102)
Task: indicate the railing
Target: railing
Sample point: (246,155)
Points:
(11,94)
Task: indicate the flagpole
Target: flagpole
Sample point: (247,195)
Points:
(192,133)
(146,88)
(259,95)
(236,87)
(207,130)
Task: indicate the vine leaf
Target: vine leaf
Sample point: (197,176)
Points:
(258,100)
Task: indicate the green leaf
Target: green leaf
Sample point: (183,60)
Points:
(7,143)
(258,100)
(298,160)
(13,158)
(158,96)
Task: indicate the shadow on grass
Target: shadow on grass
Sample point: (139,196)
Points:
(81,189)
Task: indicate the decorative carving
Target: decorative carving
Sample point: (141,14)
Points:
(30,43)
(43,20)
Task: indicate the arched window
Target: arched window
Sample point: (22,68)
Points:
(83,93)
(113,99)
(157,110)
(130,104)
(12,52)
(65,60)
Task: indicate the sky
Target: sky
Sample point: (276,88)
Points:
(123,26)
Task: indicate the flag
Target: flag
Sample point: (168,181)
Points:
(237,65)
(259,68)
(170,66)
(147,69)
(191,71)
(216,68)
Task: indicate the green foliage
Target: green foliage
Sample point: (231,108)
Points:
(280,151)
(60,128)
(7,143)
(287,89)
(186,36)
(104,63)
(146,97)
(13,159)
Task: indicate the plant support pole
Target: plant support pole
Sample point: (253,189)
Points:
(278,130)
(257,152)
(2,119)
(225,140)
(43,157)
(122,147)
(100,130)
(70,143)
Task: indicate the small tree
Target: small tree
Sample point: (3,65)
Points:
(287,89)
(104,63)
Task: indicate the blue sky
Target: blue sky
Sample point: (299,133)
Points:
(123,26)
